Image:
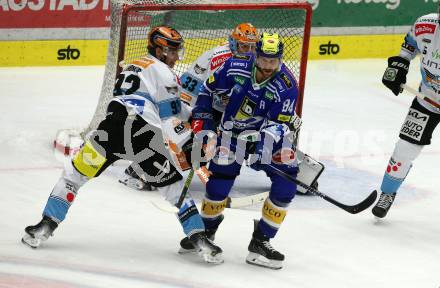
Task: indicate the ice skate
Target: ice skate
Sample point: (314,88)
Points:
(261,252)
(206,249)
(186,246)
(38,233)
(382,206)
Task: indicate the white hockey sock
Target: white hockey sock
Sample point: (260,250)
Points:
(64,193)
(399,165)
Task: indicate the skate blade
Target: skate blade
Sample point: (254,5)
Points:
(183,251)
(212,259)
(208,258)
(30,241)
(260,260)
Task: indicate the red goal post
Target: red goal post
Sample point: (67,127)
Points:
(203,24)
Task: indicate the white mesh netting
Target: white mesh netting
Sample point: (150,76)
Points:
(202,29)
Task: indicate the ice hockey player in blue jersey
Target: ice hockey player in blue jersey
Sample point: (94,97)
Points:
(422,118)
(242,39)
(261,95)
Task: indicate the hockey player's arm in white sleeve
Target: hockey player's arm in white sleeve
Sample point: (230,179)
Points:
(194,77)
(410,47)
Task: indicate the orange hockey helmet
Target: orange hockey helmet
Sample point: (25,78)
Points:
(243,33)
(164,37)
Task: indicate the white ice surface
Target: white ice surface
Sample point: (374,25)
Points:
(114,237)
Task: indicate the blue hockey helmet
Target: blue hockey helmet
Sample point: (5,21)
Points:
(270,46)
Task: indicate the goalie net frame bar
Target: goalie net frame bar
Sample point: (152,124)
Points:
(118,36)
(261,6)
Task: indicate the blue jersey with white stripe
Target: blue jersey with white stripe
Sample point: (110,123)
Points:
(247,104)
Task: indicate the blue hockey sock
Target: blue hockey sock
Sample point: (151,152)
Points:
(190,218)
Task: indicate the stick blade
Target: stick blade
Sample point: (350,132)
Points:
(363,205)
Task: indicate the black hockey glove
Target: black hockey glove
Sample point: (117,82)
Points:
(395,74)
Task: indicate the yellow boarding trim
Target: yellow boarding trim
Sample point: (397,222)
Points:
(88,161)
(273,214)
(46,53)
(94,52)
(212,209)
(355,46)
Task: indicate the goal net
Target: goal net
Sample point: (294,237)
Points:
(203,24)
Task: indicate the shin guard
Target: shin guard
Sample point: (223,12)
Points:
(399,165)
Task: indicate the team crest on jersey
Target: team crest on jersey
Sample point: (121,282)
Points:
(198,69)
(425,28)
(286,80)
(247,109)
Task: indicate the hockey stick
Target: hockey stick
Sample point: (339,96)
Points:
(236,202)
(166,206)
(353,209)
(185,189)
(231,202)
(420,95)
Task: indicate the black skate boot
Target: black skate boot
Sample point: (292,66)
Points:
(261,253)
(38,233)
(206,249)
(382,206)
(134,181)
(186,246)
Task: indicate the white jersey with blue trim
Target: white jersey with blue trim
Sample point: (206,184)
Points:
(200,70)
(150,89)
(424,39)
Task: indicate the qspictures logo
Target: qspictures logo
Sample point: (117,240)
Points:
(68,53)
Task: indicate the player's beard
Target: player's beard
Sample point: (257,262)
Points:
(265,73)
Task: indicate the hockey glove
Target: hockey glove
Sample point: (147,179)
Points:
(294,126)
(202,125)
(395,74)
(201,121)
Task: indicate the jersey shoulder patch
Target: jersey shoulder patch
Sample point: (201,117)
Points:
(286,80)
(429,18)
(245,57)
(143,62)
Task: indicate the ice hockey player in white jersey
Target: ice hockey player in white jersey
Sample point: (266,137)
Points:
(242,39)
(147,95)
(423,39)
